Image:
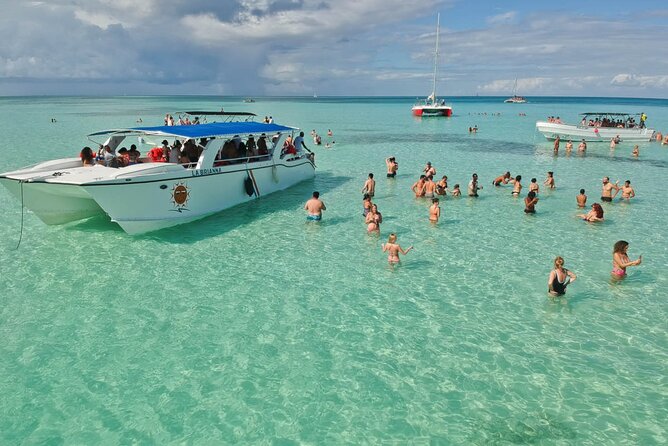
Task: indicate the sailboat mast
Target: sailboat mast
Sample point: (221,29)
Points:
(438,28)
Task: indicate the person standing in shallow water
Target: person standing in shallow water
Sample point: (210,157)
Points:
(434,211)
(393,249)
(314,207)
(559,278)
(530,203)
(621,261)
(369,186)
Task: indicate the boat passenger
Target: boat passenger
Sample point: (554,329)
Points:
(108,155)
(155,155)
(559,278)
(621,261)
(262,145)
(134,154)
(125,157)
(87,157)
(288,147)
(251,146)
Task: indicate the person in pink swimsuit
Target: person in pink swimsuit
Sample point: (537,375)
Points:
(620,260)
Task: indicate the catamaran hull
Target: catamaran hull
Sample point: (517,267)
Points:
(54,204)
(432,111)
(142,205)
(602,134)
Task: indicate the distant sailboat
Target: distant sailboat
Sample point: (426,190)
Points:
(432,106)
(515,99)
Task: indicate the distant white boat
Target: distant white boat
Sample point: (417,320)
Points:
(432,106)
(249,100)
(515,99)
(595,127)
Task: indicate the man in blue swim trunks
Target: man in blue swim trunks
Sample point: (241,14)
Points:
(314,207)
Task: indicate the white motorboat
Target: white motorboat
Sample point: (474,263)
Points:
(600,127)
(148,196)
(432,106)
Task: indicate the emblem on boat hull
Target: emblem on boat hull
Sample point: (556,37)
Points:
(180,196)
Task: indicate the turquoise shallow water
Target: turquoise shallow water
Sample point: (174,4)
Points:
(252,326)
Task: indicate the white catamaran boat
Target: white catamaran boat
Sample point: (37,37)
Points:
(515,99)
(598,127)
(149,195)
(432,106)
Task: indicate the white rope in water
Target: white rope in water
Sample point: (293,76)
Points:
(22,213)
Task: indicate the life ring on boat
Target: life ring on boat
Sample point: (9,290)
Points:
(248,185)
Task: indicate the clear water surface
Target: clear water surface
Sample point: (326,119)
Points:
(252,326)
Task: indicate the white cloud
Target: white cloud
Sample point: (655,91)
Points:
(632,80)
(502,19)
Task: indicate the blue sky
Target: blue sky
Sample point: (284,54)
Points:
(333,47)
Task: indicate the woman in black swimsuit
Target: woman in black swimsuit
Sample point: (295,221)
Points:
(559,278)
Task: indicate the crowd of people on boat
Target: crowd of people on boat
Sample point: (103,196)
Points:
(232,151)
(426,187)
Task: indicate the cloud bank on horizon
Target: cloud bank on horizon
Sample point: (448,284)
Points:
(342,47)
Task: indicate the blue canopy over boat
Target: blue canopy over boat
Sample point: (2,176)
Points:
(201,130)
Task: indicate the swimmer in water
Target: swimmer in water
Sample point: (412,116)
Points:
(596,214)
(434,211)
(581,199)
(549,181)
(314,207)
(559,278)
(456,192)
(501,179)
(621,261)
(636,151)
(533,186)
(530,202)
(627,191)
(373,219)
(394,249)
(366,205)
(517,188)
